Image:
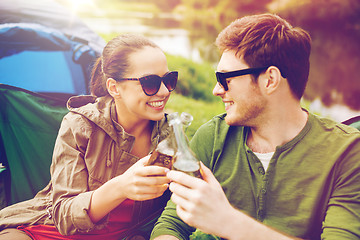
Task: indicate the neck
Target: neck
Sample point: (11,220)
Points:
(277,128)
(133,125)
(136,127)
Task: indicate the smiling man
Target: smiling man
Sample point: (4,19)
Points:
(272,170)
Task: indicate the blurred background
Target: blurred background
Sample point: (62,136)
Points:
(186,31)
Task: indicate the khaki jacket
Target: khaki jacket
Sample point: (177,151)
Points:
(90,149)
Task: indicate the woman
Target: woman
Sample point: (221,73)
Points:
(99,188)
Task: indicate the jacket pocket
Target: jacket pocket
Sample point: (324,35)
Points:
(113,162)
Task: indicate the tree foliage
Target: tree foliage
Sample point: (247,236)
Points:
(335,61)
(334,26)
(167,5)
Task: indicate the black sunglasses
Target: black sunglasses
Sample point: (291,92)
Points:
(151,84)
(222,76)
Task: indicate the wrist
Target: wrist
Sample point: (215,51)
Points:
(115,188)
(237,223)
(244,227)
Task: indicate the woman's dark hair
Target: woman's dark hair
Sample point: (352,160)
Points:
(114,61)
(268,40)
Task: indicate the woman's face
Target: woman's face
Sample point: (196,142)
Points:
(132,101)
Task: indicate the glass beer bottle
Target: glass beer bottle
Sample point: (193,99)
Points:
(184,160)
(165,150)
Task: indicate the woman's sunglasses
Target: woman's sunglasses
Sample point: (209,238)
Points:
(151,84)
(222,76)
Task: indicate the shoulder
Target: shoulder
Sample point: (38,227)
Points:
(333,139)
(90,106)
(75,127)
(216,124)
(214,133)
(218,130)
(88,112)
(333,130)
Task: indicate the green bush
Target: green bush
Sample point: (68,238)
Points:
(201,111)
(196,80)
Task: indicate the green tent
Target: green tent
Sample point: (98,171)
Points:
(49,52)
(29,123)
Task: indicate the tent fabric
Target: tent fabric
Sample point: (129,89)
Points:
(52,14)
(45,48)
(29,124)
(49,61)
(46,54)
(18,37)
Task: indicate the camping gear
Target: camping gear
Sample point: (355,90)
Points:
(46,55)
(45,49)
(29,124)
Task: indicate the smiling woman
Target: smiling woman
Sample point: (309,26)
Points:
(107,137)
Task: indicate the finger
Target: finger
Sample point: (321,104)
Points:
(152,190)
(146,196)
(183,214)
(152,171)
(180,201)
(180,190)
(153,180)
(183,207)
(157,190)
(143,161)
(183,179)
(207,174)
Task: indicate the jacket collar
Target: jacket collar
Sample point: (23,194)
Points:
(101,111)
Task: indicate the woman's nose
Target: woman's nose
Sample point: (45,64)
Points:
(163,91)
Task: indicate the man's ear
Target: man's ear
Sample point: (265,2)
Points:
(112,87)
(272,80)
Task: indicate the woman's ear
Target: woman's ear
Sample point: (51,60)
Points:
(112,87)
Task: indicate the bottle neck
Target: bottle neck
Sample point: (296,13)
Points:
(180,136)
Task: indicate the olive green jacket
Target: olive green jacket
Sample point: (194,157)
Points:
(90,149)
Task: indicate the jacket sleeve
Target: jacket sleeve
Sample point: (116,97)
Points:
(69,175)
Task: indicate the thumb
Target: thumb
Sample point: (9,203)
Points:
(143,161)
(207,174)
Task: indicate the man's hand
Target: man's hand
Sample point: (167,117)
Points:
(203,205)
(200,203)
(139,182)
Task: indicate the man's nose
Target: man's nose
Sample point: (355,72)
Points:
(218,90)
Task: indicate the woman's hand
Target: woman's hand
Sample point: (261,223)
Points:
(139,183)
(142,182)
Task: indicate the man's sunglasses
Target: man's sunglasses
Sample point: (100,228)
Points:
(222,76)
(151,84)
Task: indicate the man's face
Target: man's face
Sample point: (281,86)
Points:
(243,101)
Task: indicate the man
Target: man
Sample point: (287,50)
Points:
(273,170)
